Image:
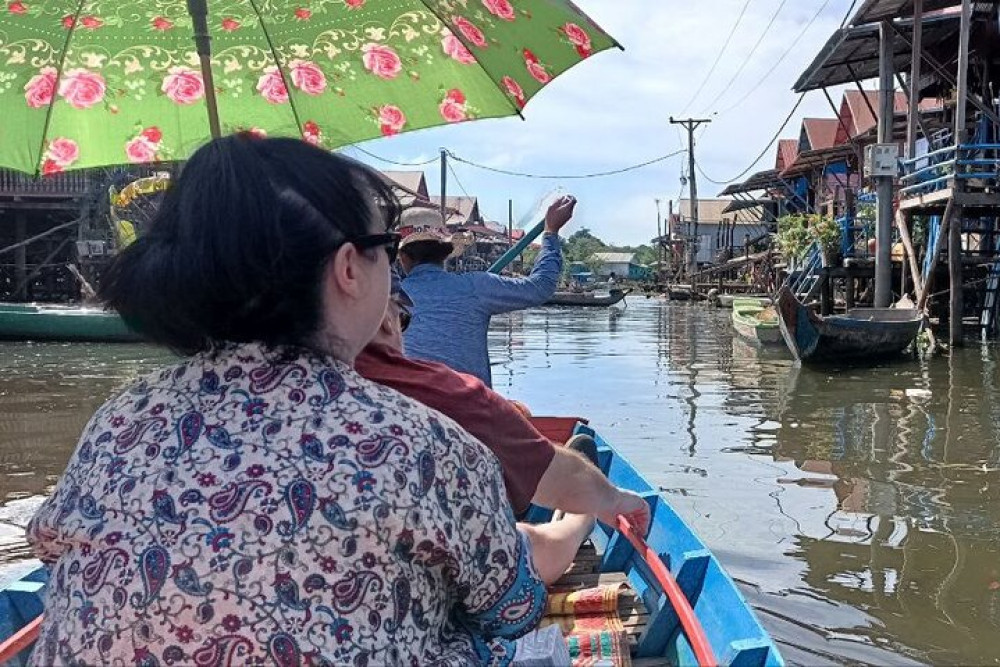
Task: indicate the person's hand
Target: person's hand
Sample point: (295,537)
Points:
(633,507)
(559,213)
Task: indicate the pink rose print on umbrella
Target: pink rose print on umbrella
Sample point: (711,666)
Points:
(391,119)
(311,133)
(230,25)
(183,86)
(579,38)
(61,153)
(17,7)
(514,90)
(470,31)
(68,21)
(381,60)
(271,86)
(500,8)
(40,88)
(354,4)
(307,77)
(82,88)
(162,24)
(91,22)
(144,147)
(303,14)
(535,68)
(453,47)
(453,107)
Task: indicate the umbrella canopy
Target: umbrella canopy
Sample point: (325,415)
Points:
(88,83)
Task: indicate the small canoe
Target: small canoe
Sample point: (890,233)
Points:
(727,300)
(685,609)
(756,323)
(860,334)
(71,324)
(587,299)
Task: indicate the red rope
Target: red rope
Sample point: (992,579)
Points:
(689,622)
(20,640)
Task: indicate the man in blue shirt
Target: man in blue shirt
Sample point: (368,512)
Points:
(452,311)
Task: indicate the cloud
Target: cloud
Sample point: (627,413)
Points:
(612,111)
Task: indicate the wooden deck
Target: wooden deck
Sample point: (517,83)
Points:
(631,610)
(935,202)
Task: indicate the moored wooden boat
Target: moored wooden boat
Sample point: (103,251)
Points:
(587,299)
(685,609)
(40,322)
(756,323)
(862,333)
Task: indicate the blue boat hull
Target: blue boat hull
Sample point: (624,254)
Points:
(732,628)
(736,636)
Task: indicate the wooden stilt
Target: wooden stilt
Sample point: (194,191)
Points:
(936,254)
(956,306)
(911,256)
(21,256)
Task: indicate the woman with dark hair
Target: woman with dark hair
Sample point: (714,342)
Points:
(260,502)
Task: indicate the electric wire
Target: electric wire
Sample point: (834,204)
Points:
(599,174)
(718,57)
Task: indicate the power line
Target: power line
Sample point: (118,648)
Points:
(781,58)
(394,162)
(749,56)
(599,174)
(718,57)
(762,153)
(458,180)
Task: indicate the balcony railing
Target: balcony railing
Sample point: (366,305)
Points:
(976,165)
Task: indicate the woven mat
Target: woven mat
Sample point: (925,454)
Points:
(589,621)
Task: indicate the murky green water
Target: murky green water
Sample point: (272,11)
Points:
(859,510)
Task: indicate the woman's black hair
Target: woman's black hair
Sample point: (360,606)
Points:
(427,252)
(236,251)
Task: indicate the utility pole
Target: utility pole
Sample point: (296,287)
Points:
(691,124)
(659,240)
(884,184)
(444,186)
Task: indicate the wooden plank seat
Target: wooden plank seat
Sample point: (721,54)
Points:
(584,573)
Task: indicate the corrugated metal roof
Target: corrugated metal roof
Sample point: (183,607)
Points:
(413,181)
(820,133)
(709,210)
(788,150)
(852,54)
(762,180)
(614,257)
(873,11)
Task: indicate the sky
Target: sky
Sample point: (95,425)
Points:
(613,111)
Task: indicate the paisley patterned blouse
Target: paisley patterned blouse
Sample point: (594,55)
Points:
(258,506)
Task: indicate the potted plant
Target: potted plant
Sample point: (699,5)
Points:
(793,238)
(826,233)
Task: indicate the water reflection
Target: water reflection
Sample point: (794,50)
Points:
(858,508)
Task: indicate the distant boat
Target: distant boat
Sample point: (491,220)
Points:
(587,298)
(863,333)
(756,322)
(727,300)
(66,324)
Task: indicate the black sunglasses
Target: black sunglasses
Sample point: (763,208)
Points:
(388,240)
(405,316)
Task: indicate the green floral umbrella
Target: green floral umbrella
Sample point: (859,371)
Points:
(87,83)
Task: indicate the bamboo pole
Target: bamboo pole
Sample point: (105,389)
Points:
(935,254)
(913,95)
(911,255)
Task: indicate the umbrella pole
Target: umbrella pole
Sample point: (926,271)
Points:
(198,9)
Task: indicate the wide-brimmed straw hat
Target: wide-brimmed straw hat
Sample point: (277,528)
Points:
(457,242)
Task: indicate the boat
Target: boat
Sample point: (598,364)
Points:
(587,298)
(68,324)
(727,300)
(682,607)
(861,333)
(756,322)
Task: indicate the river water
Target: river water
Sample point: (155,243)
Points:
(859,509)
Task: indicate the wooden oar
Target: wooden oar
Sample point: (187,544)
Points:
(689,622)
(20,640)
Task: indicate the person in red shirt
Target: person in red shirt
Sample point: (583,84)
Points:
(534,469)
